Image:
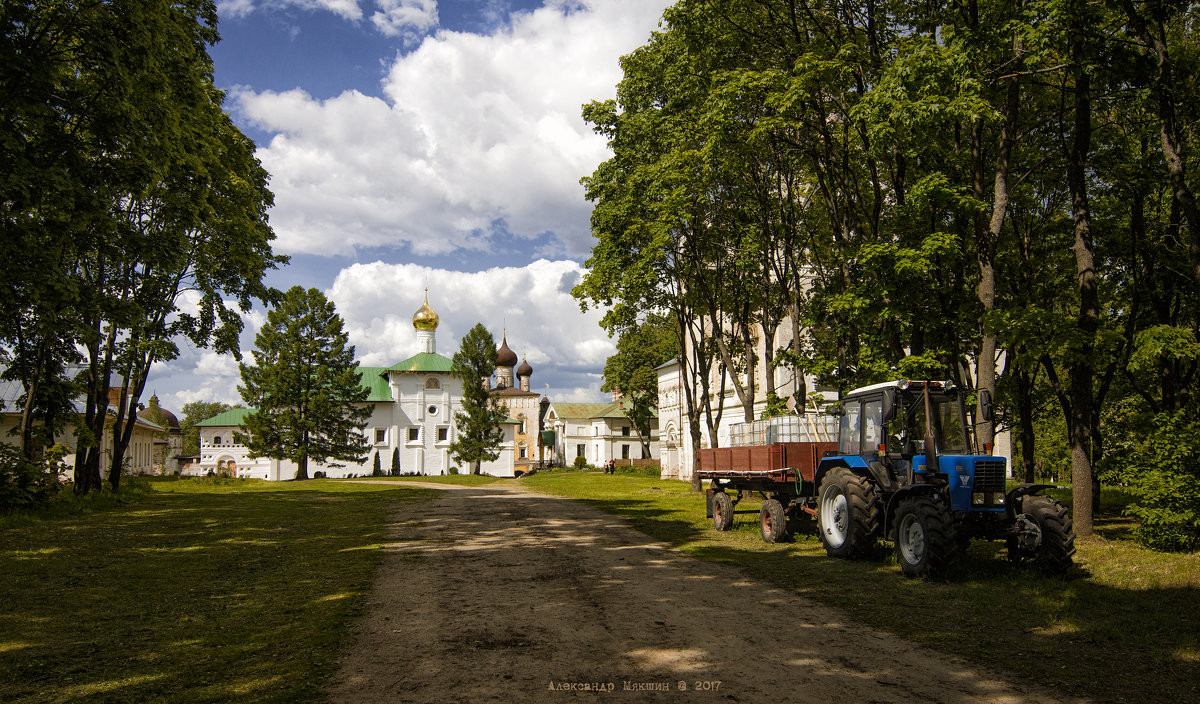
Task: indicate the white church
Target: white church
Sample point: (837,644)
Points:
(412,403)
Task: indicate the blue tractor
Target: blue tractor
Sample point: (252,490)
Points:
(905,470)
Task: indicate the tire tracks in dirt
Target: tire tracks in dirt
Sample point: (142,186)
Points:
(498,594)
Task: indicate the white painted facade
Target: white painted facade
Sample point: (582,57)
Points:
(412,411)
(678,457)
(598,432)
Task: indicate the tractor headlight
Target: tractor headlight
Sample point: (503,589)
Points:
(999,498)
(977,499)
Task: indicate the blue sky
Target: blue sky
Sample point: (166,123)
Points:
(427,143)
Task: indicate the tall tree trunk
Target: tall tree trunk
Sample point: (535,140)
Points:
(1025,379)
(1164,89)
(1088,320)
(988,240)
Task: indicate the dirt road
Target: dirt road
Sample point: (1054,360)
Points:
(501,595)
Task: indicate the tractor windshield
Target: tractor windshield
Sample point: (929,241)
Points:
(907,428)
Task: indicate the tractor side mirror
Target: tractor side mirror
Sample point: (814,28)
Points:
(985,405)
(889,405)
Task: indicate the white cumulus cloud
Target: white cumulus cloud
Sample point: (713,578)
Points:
(472,130)
(531,305)
(405,18)
(346,9)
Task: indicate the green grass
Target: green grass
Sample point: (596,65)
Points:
(459,479)
(194,591)
(1124,626)
(220,590)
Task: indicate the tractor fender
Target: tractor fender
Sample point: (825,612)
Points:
(854,463)
(1013,499)
(893,502)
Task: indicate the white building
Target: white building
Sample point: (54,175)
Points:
(598,432)
(412,403)
(677,454)
(678,458)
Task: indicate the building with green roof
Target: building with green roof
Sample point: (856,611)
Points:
(599,432)
(413,404)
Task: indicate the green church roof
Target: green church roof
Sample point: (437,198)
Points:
(424,362)
(232,417)
(375,380)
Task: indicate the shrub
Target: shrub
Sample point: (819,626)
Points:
(580,462)
(1165,466)
(395,462)
(26,483)
(318,475)
(376,469)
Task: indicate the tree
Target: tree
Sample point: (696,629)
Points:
(376,468)
(478,435)
(631,371)
(193,413)
(395,470)
(125,187)
(305,386)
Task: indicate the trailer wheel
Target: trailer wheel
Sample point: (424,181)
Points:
(722,511)
(1045,536)
(926,541)
(848,514)
(772,521)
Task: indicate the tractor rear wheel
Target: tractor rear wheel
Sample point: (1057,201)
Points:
(772,521)
(848,514)
(1045,536)
(722,511)
(926,542)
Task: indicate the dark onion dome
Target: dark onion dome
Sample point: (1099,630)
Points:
(524,369)
(159,416)
(504,356)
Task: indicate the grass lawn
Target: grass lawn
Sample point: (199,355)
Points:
(194,591)
(1122,627)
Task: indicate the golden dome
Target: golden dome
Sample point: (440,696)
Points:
(425,318)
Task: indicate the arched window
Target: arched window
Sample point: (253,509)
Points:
(432,383)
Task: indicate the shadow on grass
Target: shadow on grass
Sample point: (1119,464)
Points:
(1074,633)
(650,517)
(204,597)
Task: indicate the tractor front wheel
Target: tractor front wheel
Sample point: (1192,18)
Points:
(925,537)
(1045,536)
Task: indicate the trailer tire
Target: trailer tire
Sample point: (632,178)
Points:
(1046,536)
(722,511)
(926,541)
(772,522)
(848,514)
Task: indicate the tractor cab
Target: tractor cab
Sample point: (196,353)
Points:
(907,433)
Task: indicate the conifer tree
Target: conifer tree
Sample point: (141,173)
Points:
(478,426)
(305,386)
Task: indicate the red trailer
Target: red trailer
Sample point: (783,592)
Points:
(775,458)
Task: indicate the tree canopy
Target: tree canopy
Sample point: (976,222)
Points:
(995,192)
(632,371)
(133,210)
(305,386)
